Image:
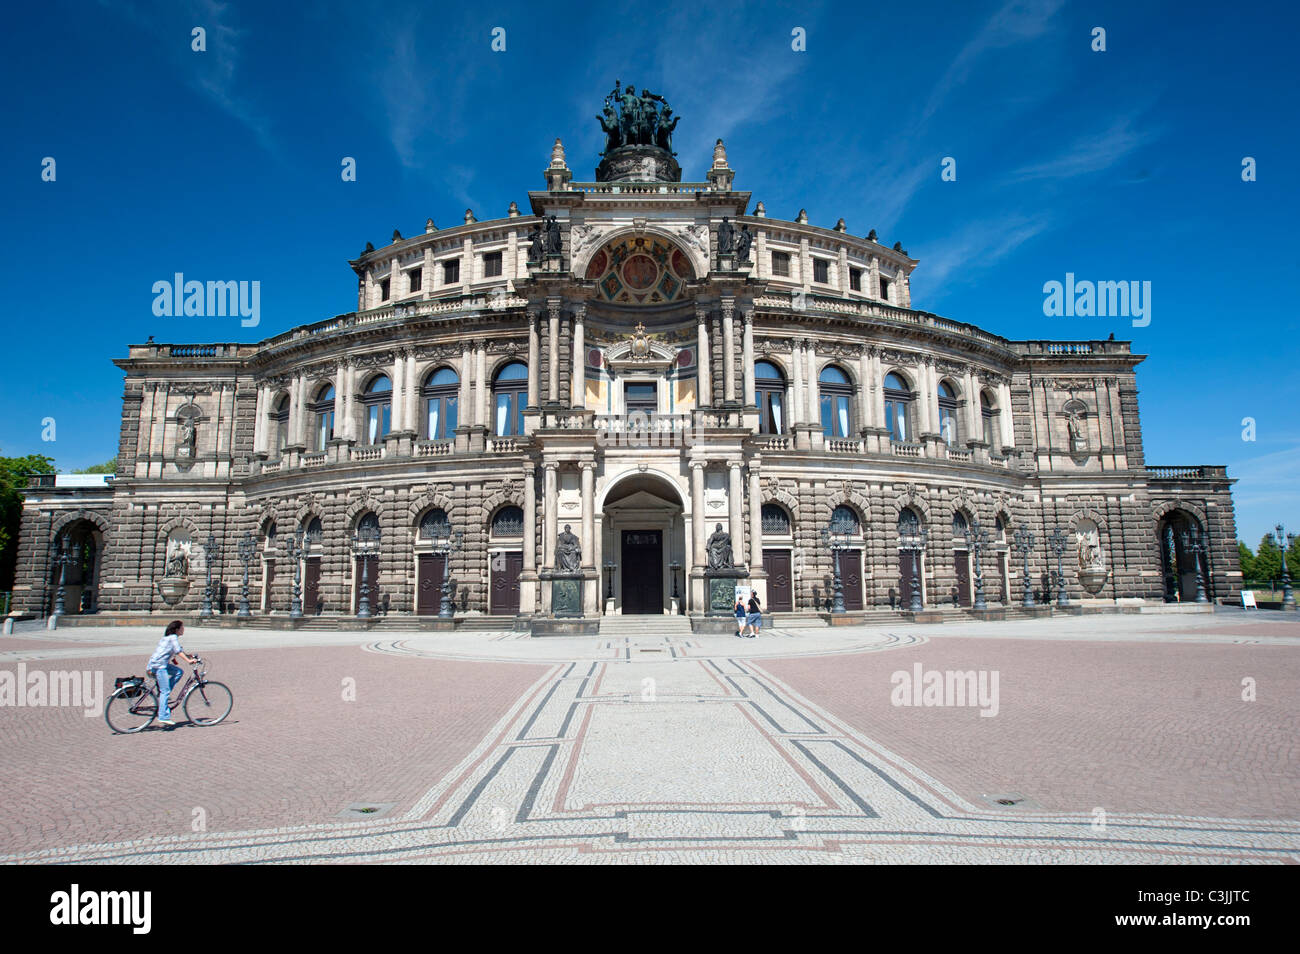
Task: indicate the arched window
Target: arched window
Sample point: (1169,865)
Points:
(377,409)
(959,528)
(949,428)
(898,404)
(776,522)
(989,418)
(280,426)
(369,521)
(1000,530)
(510,393)
(769,395)
(434,524)
(909,523)
(313,536)
(268,535)
(836,402)
(508,522)
(322,411)
(441,393)
(845,520)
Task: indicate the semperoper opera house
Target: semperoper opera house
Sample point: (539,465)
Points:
(633,400)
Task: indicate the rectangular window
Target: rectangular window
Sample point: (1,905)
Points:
(821,270)
(414,279)
(451,272)
(492,265)
(884,289)
(641,398)
(855,279)
(383,289)
(781,264)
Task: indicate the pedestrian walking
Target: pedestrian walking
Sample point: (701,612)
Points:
(754,617)
(741,617)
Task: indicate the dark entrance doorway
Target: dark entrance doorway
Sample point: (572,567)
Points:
(311,586)
(780,582)
(643,572)
(851,578)
(506,568)
(428,584)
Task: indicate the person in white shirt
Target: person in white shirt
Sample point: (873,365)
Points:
(168,674)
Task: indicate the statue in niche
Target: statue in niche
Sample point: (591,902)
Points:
(743,242)
(1089,549)
(1078,434)
(726,237)
(178,564)
(186,432)
(568,551)
(719,547)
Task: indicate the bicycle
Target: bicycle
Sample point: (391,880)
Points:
(133,706)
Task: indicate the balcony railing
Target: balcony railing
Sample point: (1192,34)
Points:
(368,453)
(774,442)
(962,456)
(1202,472)
(642,423)
(843,446)
(905,449)
(313,460)
(434,448)
(504,445)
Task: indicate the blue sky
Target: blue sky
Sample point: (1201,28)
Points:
(1115,165)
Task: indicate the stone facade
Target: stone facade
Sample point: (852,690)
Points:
(639,422)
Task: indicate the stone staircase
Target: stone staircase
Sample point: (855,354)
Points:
(634,626)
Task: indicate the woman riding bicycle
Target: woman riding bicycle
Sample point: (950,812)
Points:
(164,671)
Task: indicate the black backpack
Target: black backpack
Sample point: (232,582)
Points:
(133,685)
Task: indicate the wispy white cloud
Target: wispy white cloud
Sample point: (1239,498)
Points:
(1093,153)
(976,247)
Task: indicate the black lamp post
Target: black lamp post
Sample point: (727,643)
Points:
(836,539)
(914,539)
(365,544)
(247,549)
(295,554)
(673,568)
(1193,544)
(211,553)
(609,577)
(1025,543)
(977,539)
(1058,540)
(1284,540)
(63,558)
(446,541)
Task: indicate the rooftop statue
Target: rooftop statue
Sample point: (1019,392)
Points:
(631,120)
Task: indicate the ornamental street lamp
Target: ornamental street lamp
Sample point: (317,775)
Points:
(295,553)
(1059,540)
(63,557)
(977,538)
(1024,542)
(1284,540)
(446,541)
(1194,544)
(211,553)
(836,538)
(914,539)
(673,568)
(365,545)
(247,549)
(610,566)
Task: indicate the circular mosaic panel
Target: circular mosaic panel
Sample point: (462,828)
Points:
(640,270)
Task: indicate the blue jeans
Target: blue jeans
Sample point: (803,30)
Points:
(166,679)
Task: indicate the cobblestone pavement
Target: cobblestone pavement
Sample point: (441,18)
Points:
(1126,740)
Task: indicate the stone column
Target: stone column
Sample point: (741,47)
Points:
(729,352)
(295,409)
(796,408)
(528,576)
(534,359)
(397,412)
(747,356)
(974,425)
(923,400)
(1007,424)
(578,385)
(814,412)
(735,504)
(553,352)
(466,398)
(480,373)
(259,424)
(412,422)
(873,276)
(698,518)
(755,518)
(704,397)
(549,514)
(588,512)
(866,391)
(877,391)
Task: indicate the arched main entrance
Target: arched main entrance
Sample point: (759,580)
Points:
(643,539)
(80,577)
(1177,561)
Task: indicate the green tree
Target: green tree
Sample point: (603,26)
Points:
(1247,561)
(108,467)
(1268,560)
(13,479)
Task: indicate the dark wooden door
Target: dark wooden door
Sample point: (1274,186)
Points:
(906,563)
(311,586)
(428,584)
(851,578)
(961,562)
(506,568)
(780,581)
(643,572)
(268,584)
(371,576)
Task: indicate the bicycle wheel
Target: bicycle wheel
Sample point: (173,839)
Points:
(209,703)
(128,714)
